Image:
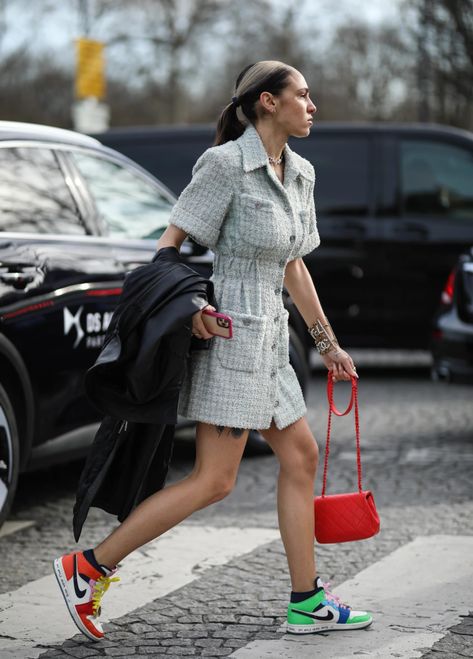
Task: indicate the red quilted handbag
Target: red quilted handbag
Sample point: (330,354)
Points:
(344,517)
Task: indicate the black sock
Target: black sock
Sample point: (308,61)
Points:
(299,597)
(90,557)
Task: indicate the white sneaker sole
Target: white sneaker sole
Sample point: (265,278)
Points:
(327,627)
(62,582)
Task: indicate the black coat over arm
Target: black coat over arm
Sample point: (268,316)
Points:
(135,383)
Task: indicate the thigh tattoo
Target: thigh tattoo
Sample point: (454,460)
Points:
(236,432)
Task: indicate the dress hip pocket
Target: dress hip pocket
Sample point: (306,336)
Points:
(244,351)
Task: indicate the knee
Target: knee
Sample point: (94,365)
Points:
(303,461)
(220,488)
(215,487)
(310,459)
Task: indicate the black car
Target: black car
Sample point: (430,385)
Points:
(75,217)
(452,336)
(394,209)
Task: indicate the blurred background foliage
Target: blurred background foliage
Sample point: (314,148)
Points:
(175,61)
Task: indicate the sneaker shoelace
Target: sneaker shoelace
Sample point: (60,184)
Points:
(332,597)
(100,587)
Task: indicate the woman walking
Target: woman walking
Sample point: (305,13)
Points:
(251,201)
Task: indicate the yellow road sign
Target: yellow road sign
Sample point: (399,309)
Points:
(90,68)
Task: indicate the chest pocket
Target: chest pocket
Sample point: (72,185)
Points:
(311,238)
(258,223)
(307,222)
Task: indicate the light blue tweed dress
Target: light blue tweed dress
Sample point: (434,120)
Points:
(236,205)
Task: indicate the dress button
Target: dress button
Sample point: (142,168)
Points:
(292,238)
(277,291)
(282,262)
(273,347)
(273,374)
(276,403)
(276,318)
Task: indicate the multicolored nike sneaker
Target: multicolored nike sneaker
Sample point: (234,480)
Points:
(83,586)
(324,612)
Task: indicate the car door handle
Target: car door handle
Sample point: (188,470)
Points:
(411,230)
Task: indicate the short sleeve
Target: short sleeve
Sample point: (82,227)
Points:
(203,204)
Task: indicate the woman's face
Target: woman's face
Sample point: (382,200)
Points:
(294,107)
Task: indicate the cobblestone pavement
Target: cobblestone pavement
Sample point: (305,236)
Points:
(417,448)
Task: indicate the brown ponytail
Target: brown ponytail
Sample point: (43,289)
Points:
(265,76)
(229,127)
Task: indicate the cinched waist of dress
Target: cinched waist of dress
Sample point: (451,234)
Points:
(239,267)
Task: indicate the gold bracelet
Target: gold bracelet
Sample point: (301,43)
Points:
(322,339)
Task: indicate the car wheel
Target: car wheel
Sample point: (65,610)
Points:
(256,444)
(9,455)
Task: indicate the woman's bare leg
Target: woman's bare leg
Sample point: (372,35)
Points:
(297,452)
(218,455)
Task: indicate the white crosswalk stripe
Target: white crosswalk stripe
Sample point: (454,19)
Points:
(415,594)
(35,614)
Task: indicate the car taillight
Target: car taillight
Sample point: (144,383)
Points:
(447,293)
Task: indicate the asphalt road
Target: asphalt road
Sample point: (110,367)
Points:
(417,449)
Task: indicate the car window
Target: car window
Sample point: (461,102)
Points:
(436,179)
(170,157)
(342,172)
(34,196)
(128,204)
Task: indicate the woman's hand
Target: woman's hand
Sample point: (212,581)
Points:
(340,363)
(198,327)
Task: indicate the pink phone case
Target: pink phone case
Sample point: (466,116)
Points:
(218,324)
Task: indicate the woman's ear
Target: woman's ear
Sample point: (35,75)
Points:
(267,102)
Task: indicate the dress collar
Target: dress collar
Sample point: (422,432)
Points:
(255,155)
